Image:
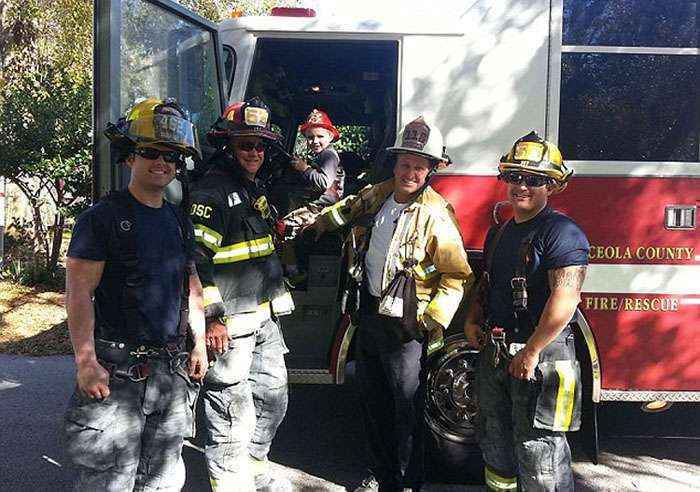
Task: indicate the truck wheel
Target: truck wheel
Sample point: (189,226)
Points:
(453,455)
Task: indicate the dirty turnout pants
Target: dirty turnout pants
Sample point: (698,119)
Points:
(245,400)
(517,454)
(392,393)
(133,439)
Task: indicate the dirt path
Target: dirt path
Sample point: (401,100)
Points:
(32,321)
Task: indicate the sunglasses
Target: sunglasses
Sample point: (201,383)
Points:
(171,156)
(248,146)
(531,180)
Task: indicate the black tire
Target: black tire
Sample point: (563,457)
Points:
(453,455)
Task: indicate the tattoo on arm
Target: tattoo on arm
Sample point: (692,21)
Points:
(571,277)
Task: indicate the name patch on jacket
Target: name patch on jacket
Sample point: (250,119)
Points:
(234,199)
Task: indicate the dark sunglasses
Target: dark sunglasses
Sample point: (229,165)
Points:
(531,180)
(248,146)
(171,156)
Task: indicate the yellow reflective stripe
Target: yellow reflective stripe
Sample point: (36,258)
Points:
(425,271)
(208,237)
(496,482)
(333,213)
(212,295)
(245,250)
(564,409)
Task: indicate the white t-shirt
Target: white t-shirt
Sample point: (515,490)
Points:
(382,232)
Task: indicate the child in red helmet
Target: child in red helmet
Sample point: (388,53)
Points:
(321,183)
(323,177)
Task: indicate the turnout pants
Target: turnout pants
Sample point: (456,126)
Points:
(522,423)
(133,439)
(392,394)
(245,400)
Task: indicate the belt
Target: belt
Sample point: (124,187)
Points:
(504,349)
(127,361)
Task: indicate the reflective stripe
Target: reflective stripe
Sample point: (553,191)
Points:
(212,296)
(564,409)
(283,304)
(245,250)
(496,482)
(425,271)
(334,215)
(208,237)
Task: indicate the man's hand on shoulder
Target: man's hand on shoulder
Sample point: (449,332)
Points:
(93,380)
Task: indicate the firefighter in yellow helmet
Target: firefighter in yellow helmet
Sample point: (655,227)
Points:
(132,295)
(529,382)
(409,271)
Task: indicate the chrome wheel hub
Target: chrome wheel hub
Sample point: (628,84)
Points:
(451,395)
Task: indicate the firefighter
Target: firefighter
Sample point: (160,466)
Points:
(529,385)
(133,253)
(245,392)
(410,271)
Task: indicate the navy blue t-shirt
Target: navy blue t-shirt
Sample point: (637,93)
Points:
(559,242)
(162,259)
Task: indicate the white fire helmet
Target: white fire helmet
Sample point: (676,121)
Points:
(421,138)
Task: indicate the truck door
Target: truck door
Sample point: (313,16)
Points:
(150,48)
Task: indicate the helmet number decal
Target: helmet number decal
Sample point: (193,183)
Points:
(253,116)
(529,151)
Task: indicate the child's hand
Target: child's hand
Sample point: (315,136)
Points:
(299,164)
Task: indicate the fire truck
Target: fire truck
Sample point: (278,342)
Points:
(613,82)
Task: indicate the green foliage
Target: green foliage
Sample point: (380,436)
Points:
(355,139)
(45,116)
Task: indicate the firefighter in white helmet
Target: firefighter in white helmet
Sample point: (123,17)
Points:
(529,390)
(408,273)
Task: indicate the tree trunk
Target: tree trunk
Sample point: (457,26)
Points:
(56,242)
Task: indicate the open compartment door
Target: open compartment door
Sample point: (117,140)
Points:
(150,48)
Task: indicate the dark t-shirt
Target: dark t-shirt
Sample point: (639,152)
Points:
(162,258)
(559,242)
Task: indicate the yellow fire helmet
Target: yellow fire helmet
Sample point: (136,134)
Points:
(535,155)
(156,121)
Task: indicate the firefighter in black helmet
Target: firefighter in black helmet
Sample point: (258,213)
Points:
(132,292)
(245,392)
(529,382)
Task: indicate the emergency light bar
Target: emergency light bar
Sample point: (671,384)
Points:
(292,12)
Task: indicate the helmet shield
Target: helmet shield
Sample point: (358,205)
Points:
(167,129)
(155,121)
(256,116)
